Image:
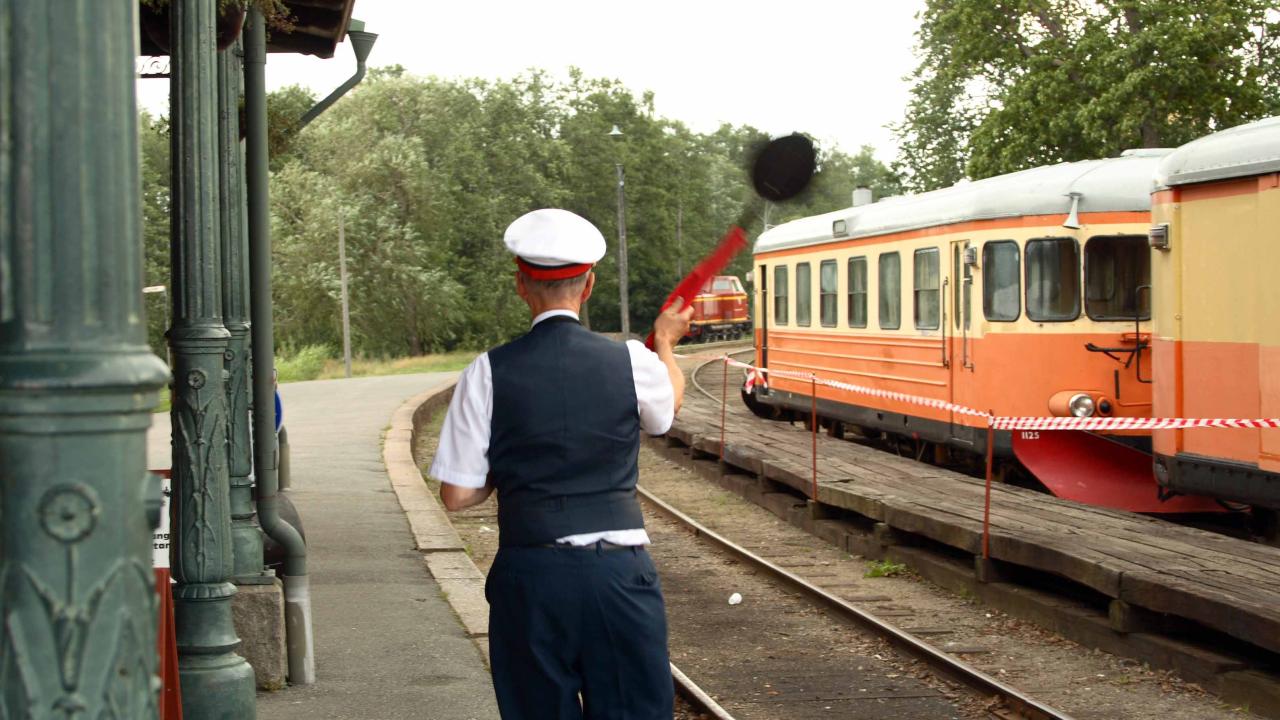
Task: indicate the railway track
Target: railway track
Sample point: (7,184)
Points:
(733,350)
(712,640)
(698,700)
(1202,658)
(817,687)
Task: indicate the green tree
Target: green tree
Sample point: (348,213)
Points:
(153,140)
(838,176)
(1011,84)
(285,108)
(868,172)
(427,173)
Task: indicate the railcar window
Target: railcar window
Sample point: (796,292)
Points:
(926,288)
(723,285)
(1114,268)
(827,279)
(890,291)
(804,293)
(858,292)
(780,294)
(1001,281)
(1053,279)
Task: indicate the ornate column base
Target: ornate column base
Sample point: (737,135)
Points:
(217,684)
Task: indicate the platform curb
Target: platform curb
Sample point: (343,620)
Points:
(443,552)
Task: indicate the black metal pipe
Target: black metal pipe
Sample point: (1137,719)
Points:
(265,460)
(361,44)
(297,593)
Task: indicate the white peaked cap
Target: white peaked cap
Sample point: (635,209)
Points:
(552,237)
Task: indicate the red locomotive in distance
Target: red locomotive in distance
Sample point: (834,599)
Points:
(719,311)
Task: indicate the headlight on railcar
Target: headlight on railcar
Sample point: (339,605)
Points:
(1076,403)
(1081,405)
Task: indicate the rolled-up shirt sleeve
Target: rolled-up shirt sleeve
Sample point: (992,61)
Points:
(462,456)
(655,398)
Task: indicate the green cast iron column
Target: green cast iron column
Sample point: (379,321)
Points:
(246,537)
(216,682)
(77,382)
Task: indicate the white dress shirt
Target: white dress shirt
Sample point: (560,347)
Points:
(462,456)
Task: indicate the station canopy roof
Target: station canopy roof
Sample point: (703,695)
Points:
(318,27)
(1109,185)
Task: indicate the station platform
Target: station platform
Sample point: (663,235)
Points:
(388,645)
(1150,570)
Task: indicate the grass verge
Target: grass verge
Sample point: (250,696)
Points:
(315,363)
(442,362)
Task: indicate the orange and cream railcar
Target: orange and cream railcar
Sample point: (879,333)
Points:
(1216,269)
(1025,295)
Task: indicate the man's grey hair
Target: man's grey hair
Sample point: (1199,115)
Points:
(556,290)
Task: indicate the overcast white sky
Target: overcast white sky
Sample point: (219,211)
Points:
(833,69)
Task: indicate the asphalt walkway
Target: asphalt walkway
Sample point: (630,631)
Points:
(387,644)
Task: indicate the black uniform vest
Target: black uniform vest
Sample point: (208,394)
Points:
(565,435)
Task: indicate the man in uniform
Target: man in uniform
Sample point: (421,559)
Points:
(552,421)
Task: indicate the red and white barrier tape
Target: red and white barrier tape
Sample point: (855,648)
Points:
(864,390)
(1127,423)
(756,376)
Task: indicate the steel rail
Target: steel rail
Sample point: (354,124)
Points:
(695,696)
(1013,700)
(693,376)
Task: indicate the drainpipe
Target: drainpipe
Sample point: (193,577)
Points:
(361,45)
(297,595)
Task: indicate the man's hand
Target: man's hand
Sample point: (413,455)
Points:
(672,324)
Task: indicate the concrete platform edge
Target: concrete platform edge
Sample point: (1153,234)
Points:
(443,551)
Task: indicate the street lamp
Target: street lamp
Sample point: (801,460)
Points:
(361,45)
(346,306)
(616,134)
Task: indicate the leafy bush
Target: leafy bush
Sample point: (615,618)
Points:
(305,364)
(885,568)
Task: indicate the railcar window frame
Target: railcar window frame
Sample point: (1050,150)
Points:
(1032,310)
(855,295)
(988,286)
(824,294)
(884,299)
(804,295)
(916,288)
(781,288)
(1145,253)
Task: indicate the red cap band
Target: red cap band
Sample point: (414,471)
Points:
(560,272)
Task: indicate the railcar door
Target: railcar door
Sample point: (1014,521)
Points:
(761,310)
(957,304)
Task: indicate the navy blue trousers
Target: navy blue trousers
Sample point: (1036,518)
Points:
(568,621)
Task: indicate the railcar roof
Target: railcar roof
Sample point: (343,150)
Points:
(1110,185)
(1242,151)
